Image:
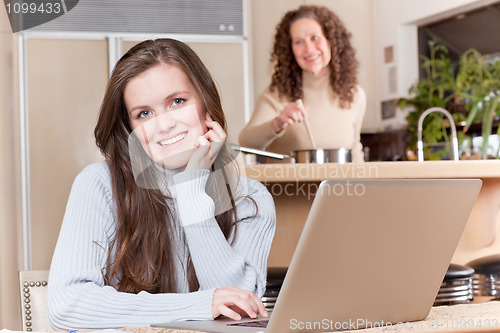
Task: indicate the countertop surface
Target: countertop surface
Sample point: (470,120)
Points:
(482,317)
(373,170)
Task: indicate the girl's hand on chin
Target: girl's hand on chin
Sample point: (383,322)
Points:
(201,156)
(207,147)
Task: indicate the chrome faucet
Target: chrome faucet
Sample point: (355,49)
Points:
(454,143)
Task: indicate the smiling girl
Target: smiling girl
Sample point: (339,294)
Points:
(160,231)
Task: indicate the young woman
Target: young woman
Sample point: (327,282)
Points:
(162,230)
(315,78)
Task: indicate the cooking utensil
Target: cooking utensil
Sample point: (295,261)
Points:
(318,156)
(261,152)
(306,124)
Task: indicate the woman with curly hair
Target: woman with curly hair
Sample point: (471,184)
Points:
(161,230)
(315,77)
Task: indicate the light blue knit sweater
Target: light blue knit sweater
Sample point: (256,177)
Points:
(77,296)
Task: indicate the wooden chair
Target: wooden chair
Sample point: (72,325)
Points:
(34,311)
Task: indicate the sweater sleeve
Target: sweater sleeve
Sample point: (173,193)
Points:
(77,295)
(359,106)
(258,133)
(240,261)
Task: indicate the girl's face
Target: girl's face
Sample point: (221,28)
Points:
(310,46)
(166,114)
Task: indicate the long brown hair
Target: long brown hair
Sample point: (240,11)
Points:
(287,76)
(141,256)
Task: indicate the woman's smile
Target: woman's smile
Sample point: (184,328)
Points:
(310,46)
(312,57)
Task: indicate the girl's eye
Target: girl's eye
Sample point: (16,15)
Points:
(297,42)
(315,38)
(144,114)
(178,101)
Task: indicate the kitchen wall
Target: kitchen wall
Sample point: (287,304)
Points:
(395,24)
(10,193)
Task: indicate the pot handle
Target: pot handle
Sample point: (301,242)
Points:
(260,152)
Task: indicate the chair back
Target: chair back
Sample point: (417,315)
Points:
(34,309)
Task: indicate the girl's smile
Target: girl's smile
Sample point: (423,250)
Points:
(166,114)
(173,140)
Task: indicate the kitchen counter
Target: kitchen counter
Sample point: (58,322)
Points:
(390,170)
(293,187)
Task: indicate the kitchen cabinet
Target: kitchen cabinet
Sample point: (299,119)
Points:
(66,79)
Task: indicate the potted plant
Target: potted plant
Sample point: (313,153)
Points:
(435,89)
(478,84)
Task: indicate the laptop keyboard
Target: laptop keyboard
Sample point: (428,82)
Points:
(256,323)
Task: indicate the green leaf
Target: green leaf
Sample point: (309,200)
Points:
(471,117)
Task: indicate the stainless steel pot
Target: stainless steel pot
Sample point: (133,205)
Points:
(318,156)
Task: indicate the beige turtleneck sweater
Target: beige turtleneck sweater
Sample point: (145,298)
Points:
(331,126)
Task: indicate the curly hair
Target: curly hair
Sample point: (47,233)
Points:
(287,76)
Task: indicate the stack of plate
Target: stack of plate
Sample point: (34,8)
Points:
(456,287)
(487,276)
(275,277)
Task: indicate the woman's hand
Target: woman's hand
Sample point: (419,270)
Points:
(234,303)
(294,112)
(208,146)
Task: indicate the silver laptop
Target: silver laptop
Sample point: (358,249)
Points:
(372,253)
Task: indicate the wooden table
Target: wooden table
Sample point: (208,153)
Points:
(293,187)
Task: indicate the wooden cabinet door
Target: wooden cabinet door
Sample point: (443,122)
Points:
(66,79)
